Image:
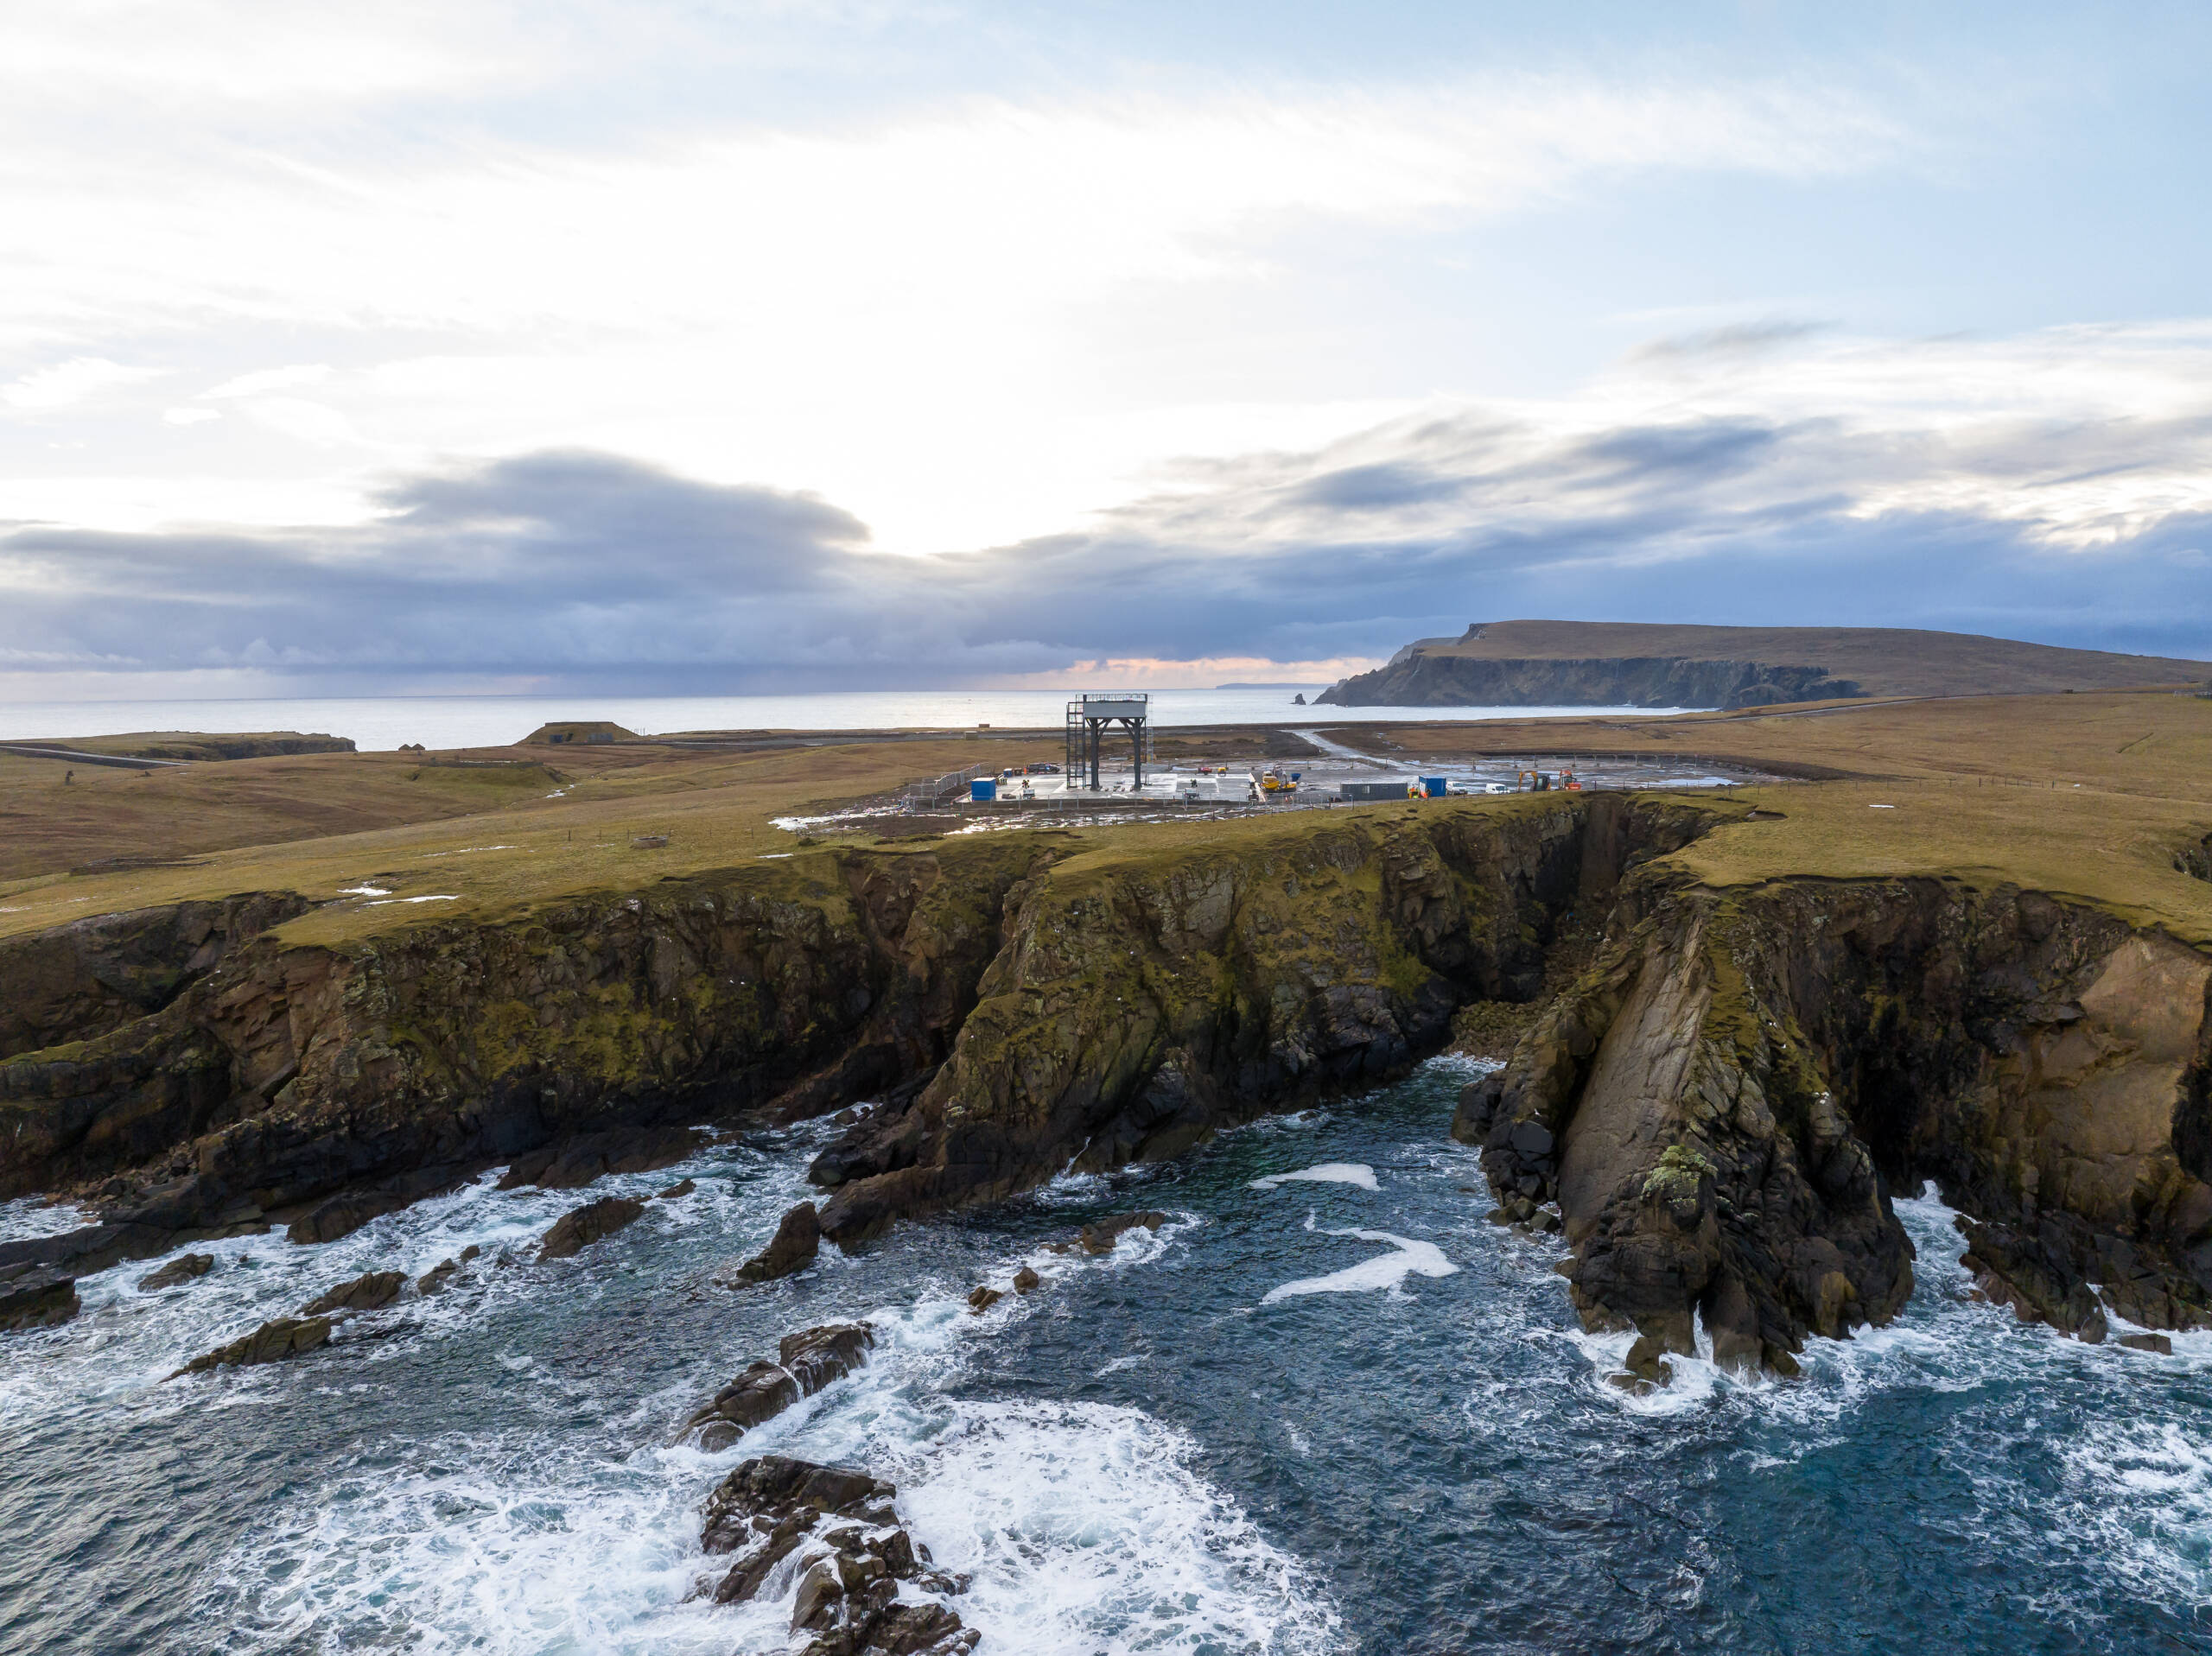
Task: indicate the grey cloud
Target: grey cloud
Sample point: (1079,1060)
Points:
(1358,488)
(1737,339)
(591,570)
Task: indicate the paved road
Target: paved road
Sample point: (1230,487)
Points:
(23,749)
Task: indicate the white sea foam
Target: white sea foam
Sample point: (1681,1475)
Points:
(30,1217)
(2142,1494)
(1357,1173)
(1408,1258)
(1083,1525)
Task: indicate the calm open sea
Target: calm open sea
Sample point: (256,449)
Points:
(384,722)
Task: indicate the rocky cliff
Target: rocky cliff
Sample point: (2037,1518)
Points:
(1423,680)
(322,1085)
(1142,1001)
(1008,1007)
(1723,1105)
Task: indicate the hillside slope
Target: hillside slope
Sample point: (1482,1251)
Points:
(1623,663)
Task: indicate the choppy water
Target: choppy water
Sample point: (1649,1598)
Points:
(382,723)
(1308,1416)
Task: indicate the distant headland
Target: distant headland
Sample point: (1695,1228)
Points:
(1637,664)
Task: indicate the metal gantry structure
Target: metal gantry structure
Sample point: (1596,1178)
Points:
(1088,719)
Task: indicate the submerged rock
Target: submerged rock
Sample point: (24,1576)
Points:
(273,1342)
(838,1527)
(181,1269)
(575,1231)
(36,1297)
(1101,1236)
(806,1361)
(365,1293)
(796,1242)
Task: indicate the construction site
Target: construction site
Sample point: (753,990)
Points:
(1111,763)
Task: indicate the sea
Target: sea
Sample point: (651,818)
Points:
(1327,1407)
(382,723)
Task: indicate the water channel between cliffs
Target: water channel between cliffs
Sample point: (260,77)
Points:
(1307,1415)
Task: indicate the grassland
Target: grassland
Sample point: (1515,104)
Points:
(2091,795)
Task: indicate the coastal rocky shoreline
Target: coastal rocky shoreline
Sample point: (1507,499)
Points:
(1718,1107)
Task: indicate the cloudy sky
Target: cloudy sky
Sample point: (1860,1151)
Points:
(701,345)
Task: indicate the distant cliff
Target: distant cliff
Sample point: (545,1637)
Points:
(1625,665)
(1423,681)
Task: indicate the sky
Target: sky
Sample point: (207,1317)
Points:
(764,344)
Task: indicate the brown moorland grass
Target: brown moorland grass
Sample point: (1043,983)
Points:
(2087,796)
(475,834)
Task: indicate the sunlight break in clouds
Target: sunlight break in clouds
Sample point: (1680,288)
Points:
(925,318)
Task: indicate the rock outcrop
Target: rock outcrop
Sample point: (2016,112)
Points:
(805,1362)
(365,1293)
(182,1269)
(1722,1105)
(797,1241)
(36,1297)
(273,1342)
(840,1533)
(578,1228)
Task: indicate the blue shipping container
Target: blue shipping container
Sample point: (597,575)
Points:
(983,792)
(1434,787)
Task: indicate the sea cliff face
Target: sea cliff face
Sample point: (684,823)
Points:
(1142,1002)
(1720,1106)
(1423,680)
(373,1072)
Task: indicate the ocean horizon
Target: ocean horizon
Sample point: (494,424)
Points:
(383,723)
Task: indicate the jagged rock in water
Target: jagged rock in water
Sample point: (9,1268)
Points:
(440,1276)
(681,1187)
(797,1241)
(273,1342)
(365,1293)
(181,1269)
(1102,1235)
(36,1297)
(346,1212)
(1026,1279)
(983,1298)
(576,1230)
(2157,1342)
(841,1532)
(806,1361)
